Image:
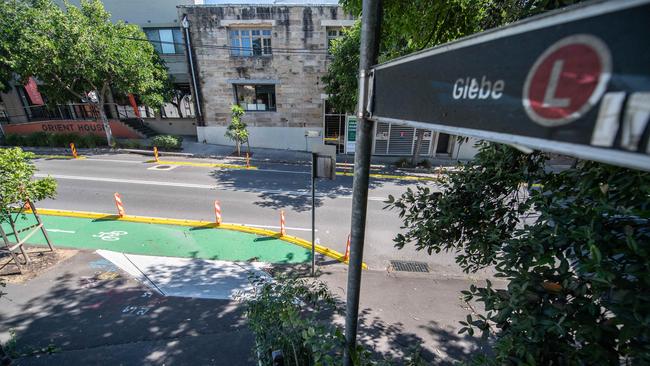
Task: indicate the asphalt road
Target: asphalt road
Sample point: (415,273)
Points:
(252,197)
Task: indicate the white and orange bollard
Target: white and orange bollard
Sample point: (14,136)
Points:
(217,212)
(283,230)
(74,150)
(346,257)
(119,204)
(155,154)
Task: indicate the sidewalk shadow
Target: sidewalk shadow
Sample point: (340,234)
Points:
(90,320)
(392,341)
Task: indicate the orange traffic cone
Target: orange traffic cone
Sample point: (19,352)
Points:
(346,257)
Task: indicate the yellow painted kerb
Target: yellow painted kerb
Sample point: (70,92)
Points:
(389,176)
(59,157)
(205,165)
(197,223)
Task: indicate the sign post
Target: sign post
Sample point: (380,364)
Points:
(323,165)
(350,134)
(573,82)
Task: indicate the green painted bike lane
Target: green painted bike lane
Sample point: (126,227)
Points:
(163,240)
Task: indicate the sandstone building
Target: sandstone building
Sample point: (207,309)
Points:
(269,59)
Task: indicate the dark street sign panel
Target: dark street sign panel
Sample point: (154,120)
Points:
(575,82)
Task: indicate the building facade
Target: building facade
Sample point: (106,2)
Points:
(269,59)
(161,26)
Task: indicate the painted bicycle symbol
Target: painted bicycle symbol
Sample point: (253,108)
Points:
(110,235)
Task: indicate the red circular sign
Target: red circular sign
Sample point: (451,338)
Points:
(567,80)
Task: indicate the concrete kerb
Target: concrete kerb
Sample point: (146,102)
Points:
(197,223)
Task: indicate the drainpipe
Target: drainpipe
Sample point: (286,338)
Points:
(188,47)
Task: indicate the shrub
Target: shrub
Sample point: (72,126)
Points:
(167,142)
(92,141)
(283,316)
(64,140)
(425,164)
(130,144)
(36,139)
(291,315)
(14,140)
(403,163)
(578,268)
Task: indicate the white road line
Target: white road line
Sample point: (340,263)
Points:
(60,231)
(183,185)
(114,161)
(369,198)
(128,181)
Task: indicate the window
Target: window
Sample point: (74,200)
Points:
(250,42)
(332,34)
(165,40)
(255,97)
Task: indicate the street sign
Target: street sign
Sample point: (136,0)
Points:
(324,161)
(350,134)
(575,82)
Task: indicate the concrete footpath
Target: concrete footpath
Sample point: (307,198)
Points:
(400,310)
(88,311)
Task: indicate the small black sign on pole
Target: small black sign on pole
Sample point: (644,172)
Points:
(323,165)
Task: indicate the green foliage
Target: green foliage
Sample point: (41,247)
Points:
(77,50)
(411,26)
(168,142)
(130,144)
(92,141)
(14,140)
(283,316)
(42,139)
(571,246)
(236,130)
(342,72)
(16,171)
(291,315)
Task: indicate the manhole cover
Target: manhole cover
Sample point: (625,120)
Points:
(410,266)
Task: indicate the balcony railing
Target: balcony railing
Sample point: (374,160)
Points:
(85,111)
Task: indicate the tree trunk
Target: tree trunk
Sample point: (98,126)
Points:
(418,147)
(238,144)
(107,126)
(112,108)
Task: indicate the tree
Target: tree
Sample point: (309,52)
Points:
(16,172)
(237,131)
(78,53)
(572,247)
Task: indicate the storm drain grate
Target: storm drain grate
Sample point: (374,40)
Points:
(409,266)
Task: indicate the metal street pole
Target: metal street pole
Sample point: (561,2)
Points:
(313,214)
(370,21)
